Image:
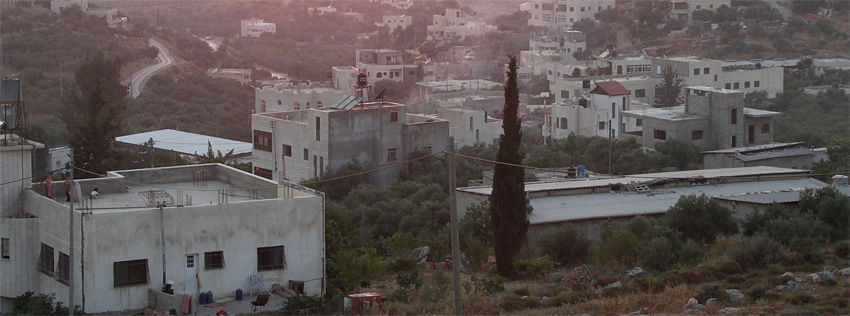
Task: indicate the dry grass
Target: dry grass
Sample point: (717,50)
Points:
(670,300)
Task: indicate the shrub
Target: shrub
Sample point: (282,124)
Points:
(757,291)
(515,303)
(523,291)
(690,254)
(835,211)
(727,267)
(755,221)
(605,280)
(707,291)
(647,285)
(796,232)
(410,280)
(658,254)
(564,245)
(700,218)
(570,297)
(619,249)
(302,302)
(755,252)
(493,284)
(399,264)
(433,292)
(476,253)
(842,249)
(535,266)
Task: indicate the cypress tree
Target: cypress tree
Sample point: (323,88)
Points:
(509,207)
(667,92)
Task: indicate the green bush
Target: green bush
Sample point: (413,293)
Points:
(835,212)
(410,280)
(842,249)
(757,291)
(658,254)
(755,252)
(727,267)
(516,303)
(302,302)
(796,232)
(493,284)
(433,292)
(647,285)
(399,264)
(619,249)
(564,245)
(535,266)
(755,221)
(42,304)
(700,218)
(690,254)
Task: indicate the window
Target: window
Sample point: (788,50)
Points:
(737,85)
(565,94)
(320,104)
(261,172)
(733,116)
(391,154)
(379,75)
(765,128)
(562,8)
(279,102)
(601,125)
(393,116)
(318,128)
(659,134)
(287,150)
(633,69)
(756,84)
(262,106)
(476,135)
(4,248)
(751,134)
(297,106)
(640,93)
(130,272)
(563,123)
(734,141)
(638,122)
(262,141)
(213,260)
(715,78)
(613,110)
(45,260)
(705,70)
(746,84)
(728,86)
(582,9)
(696,71)
(572,9)
(563,19)
(270,258)
(546,17)
(696,135)
(63,268)
(306,154)
(321,165)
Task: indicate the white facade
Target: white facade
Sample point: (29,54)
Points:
(563,13)
(398,4)
(280,98)
(256,226)
(599,114)
(394,22)
(321,10)
(820,65)
(344,77)
(454,25)
(471,126)
(256,27)
(300,145)
(383,64)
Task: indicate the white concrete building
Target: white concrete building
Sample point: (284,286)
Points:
(398,4)
(320,10)
(256,27)
(743,76)
(220,226)
(563,13)
(393,22)
(821,64)
(455,25)
(344,77)
(304,144)
(57,6)
(289,97)
(711,119)
(383,64)
(599,114)
(782,155)
(684,9)
(471,126)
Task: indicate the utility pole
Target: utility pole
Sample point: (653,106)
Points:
(71,241)
(61,90)
(610,144)
(161,205)
(455,233)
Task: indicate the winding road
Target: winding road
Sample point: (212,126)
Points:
(138,79)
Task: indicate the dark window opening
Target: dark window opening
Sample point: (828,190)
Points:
(660,134)
(262,172)
(45,260)
(63,268)
(270,258)
(262,141)
(213,260)
(130,272)
(287,150)
(696,135)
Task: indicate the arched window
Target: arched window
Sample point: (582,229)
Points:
(563,123)
(319,104)
(279,102)
(379,75)
(297,106)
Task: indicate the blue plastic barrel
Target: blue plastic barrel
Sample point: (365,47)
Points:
(210,297)
(202,298)
(238,294)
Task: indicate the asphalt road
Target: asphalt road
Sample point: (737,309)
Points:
(786,14)
(138,79)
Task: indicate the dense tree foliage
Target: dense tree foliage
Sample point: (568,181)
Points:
(700,218)
(668,91)
(508,204)
(95,109)
(195,103)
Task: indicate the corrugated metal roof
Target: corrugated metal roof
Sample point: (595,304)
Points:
(606,205)
(605,182)
(186,143)
(745,150)
(787,152)
(786,196)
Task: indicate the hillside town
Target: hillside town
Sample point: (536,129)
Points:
(328,157)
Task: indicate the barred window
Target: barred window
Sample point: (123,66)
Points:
(270,258)
(213,260)
(4,248)
(262,140)
(45,260)
(63,268)
(130,272)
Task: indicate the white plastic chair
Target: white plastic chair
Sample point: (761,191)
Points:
(255,282)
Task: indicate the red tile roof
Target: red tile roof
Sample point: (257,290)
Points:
(610,88)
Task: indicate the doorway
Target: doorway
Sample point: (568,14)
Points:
(191,281)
